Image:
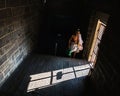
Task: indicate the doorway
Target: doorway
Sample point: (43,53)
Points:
(96,29)
(96,41)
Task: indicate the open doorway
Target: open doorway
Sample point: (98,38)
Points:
(96,29)
(96,41)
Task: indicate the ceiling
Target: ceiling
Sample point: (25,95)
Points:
(76,6)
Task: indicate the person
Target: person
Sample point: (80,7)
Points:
(75,44)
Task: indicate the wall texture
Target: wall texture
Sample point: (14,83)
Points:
(105,75)
(18,28)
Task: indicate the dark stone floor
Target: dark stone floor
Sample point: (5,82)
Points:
(45,75)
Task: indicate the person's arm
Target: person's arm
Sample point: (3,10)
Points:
(80,40)
(80,43)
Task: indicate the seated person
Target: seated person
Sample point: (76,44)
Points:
(75,44)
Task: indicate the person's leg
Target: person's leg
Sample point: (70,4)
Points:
(77,51)
(73,50)
(74,54)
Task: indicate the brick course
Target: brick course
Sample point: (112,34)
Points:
(17,28)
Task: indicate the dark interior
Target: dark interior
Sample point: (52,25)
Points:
(34,34)
(62,18)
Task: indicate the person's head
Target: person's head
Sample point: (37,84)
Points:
(77,31)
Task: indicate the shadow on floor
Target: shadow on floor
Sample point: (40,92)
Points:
(45,75)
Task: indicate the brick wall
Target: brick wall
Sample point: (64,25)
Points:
(18,27)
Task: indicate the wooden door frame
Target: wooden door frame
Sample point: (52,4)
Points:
(99,23)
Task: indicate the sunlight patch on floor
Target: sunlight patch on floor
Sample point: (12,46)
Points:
(46,79)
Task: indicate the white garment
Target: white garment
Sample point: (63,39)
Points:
(74,47)
(80,40)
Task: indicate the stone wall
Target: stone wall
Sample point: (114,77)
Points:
(105,75)
(18,28)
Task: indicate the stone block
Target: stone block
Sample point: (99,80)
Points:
(12,3)
(6,71)
(23,2)
(11,20)
(1,32)
(3,59)
(1,76)
(2,3)
(12,50)
(9,29)
(5,13)
(17,25)
(2,23)
(6,48)
(18,11)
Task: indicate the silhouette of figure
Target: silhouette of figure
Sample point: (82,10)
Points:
(75,44)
